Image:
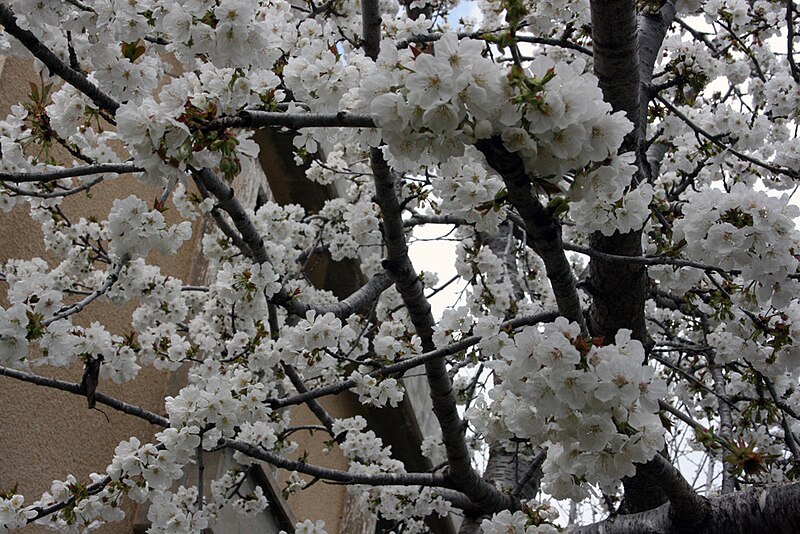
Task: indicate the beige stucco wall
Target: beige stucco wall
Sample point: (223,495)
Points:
(321,500)
(46,434)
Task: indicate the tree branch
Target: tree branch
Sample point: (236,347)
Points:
(563,43)
(260,119)
(401,479)
(52,62)
(397,262)
(54,194)
(251,244)
(725,148)
(356,301)
(335,475)
(111,279)
(71,387)
(616,59)
(544,231)
(72,172)
(725,419)
(405,365)
(790,33)
(313,405)
(91,489)
(768,509)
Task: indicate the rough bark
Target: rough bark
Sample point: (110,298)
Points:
(774,509)
(625,49)
(543,229)
(616,56)
(507,471)
(398,264)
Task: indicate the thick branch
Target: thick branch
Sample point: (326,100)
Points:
(618,290)
(356,301)
(542,228)
(725,420)
(770,509)
(397,262)
(371,28)
(616,58)
(688,510)
(652,29)
(790,33)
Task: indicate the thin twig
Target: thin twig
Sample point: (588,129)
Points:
(72,172)
(715,139)
(111,279)
(54,194)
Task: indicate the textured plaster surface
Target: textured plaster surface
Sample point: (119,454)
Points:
(46,434)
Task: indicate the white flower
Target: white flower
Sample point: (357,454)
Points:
(310,527)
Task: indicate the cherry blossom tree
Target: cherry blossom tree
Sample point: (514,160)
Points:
(617,175)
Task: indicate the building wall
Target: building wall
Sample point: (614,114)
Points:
(47,434)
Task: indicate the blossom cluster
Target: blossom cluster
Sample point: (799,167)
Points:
(437,102)
(177,67)
(467,189)
(745,230)
(168,134)
(134,230)
(602,200)
(592,404)
(535,518)
(229,401)
(12,513)
(377,392)
(368,455)
(228,490)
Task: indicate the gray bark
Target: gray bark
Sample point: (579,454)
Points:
(625,49)
(774,509)
(543,229)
